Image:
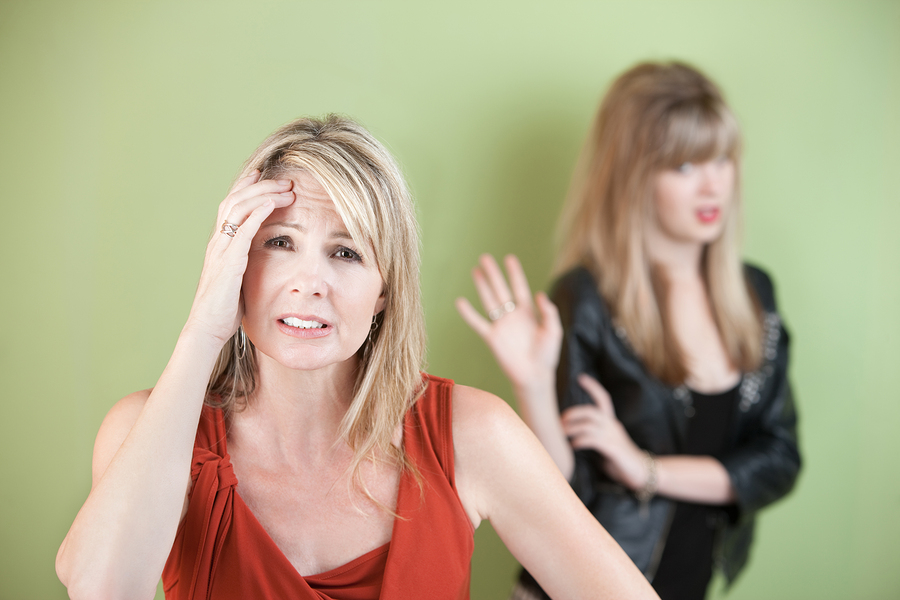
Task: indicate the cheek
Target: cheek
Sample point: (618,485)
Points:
(671,204)
(361,292)
(262,275)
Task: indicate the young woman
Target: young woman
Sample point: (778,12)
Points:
(292,448)
(677,417)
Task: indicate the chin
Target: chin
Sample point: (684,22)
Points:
(308,359)
(709,234)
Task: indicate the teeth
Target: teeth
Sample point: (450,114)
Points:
(301,324)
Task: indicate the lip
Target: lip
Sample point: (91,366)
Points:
(304,333)
(709,214)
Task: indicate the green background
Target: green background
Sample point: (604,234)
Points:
(123,124)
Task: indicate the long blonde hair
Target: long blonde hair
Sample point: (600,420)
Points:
(371,197)
(656,116)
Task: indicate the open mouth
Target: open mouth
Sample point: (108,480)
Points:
(708,215)
(301,324)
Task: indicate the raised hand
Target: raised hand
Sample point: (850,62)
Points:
(595,427)
(217,310)
(526,343)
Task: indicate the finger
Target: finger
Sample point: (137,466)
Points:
(518,281)
(254,196)
(581,442)
(485,292)
(250,179)
(582,413)
(496,280)
(471,316)
(239,214)
(549,315)
(265,187)
(597,393)
(240,243)
(242,183)
(573,429)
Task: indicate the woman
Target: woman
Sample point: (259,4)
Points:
(677,417)
(297,375)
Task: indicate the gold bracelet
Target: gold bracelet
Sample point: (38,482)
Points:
(648,490)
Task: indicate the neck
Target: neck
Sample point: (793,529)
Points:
(679,261)
(296,415)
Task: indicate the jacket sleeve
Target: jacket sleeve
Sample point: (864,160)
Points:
(764,465)
(583,317)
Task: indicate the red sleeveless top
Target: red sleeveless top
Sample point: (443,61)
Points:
(222,552)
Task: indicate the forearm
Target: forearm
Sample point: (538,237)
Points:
(118,543)
(700,479)
(537,405)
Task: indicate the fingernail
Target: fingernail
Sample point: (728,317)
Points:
(284,181)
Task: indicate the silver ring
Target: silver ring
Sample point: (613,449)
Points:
(500,311)
(229,229)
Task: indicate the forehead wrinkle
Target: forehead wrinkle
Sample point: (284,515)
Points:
(334,233)
(313,203)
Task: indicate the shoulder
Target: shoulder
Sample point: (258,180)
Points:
(575,282)
(490,441)
(115,428)
(761,284)
(476,412)
(577,295)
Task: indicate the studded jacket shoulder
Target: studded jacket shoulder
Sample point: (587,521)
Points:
(763,458)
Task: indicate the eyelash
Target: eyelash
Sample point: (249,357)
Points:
(354,256)
(276,241)
(283,242)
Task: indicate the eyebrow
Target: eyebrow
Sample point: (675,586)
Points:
(341,234)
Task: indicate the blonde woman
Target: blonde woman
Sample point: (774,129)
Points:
(292,448)
(678,423)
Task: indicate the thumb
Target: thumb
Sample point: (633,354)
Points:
(597,393)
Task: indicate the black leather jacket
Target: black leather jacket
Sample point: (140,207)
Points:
(763,460)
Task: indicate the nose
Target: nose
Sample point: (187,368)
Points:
(717,177)
(309,278)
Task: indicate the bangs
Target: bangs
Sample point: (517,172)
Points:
(354,203)
(346,188)
(697,134)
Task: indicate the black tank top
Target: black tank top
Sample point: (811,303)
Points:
(686,565)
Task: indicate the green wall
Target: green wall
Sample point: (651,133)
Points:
(122,125)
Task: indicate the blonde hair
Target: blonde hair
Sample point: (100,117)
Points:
(371,197)
(656,116)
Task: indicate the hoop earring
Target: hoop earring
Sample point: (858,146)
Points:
(372,329)
(241,343)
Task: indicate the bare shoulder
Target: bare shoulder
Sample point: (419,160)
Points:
(115,428)
(482,422)
(491,444)
(475,411)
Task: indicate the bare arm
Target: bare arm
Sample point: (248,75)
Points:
(121,537)
(700,479)
(504,475)
(525,343)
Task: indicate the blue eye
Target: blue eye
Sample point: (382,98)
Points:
(685,167)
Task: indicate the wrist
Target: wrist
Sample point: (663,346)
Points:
(200,340)
(648,488)
(538,390)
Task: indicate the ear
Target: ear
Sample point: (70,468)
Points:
(381,302)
